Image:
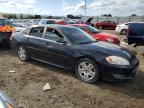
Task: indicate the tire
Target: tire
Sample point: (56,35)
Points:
(22,53)
(123,32)
(90,75)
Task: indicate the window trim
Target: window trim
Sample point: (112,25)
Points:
(55,41)
(35,36)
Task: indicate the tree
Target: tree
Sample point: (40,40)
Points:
(14,16)
(70,16)
(21,17)
(107,15)
(10,16)
(37,17)
(49,17)
(133,15)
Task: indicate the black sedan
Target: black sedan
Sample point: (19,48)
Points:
(71,48)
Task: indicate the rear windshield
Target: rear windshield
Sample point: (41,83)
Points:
(136,30)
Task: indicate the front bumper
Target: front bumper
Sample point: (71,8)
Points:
(111,72)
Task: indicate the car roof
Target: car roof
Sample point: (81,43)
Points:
(57,26)
(80,25)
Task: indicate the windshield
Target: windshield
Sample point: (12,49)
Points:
(77,35)
(90,29)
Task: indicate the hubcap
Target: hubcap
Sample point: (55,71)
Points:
(86,70)
(124,32)
(22,53)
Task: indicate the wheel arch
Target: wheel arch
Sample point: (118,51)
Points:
(89,57)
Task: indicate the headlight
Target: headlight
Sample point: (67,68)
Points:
(117,60)
(110,40)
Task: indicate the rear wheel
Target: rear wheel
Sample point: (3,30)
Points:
(22,53)
(100,27)
(123,32)
(87,70)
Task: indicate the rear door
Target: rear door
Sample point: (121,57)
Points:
(136,34)
(37,43)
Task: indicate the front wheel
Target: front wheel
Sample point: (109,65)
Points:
(22,53)
(87,70)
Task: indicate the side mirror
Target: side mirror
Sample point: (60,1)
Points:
(62,40)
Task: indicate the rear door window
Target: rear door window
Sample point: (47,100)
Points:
(37,32)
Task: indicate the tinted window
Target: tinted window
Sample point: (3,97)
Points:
(77,35)
(37,32)
(127,24)
(136,30)
(50,22)
(52,34)
(90,29)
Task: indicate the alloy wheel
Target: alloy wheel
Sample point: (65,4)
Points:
(86,71)
(21,53)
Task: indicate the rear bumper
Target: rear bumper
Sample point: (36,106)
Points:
(112,73)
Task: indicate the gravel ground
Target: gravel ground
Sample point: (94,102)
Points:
(25,85)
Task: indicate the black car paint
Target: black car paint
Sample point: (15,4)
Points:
(66,55)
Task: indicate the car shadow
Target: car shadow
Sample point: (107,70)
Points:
(53,68)
(133,88)
(7,51)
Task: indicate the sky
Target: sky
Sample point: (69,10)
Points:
(76,7)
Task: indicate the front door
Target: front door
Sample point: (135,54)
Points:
(60,53)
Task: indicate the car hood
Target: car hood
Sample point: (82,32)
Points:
(108,49)
(106,35)
(89,19)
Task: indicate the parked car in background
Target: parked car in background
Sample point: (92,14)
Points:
(106,25)
(135,34)
(122,28)
(75,21)
(19,27)
(101,36)
(72,48)
(46,21)
(52,21)
(88,22)
(6,102)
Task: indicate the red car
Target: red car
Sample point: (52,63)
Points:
(106,25)
(101,36)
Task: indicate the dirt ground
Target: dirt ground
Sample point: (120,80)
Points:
(25,85)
